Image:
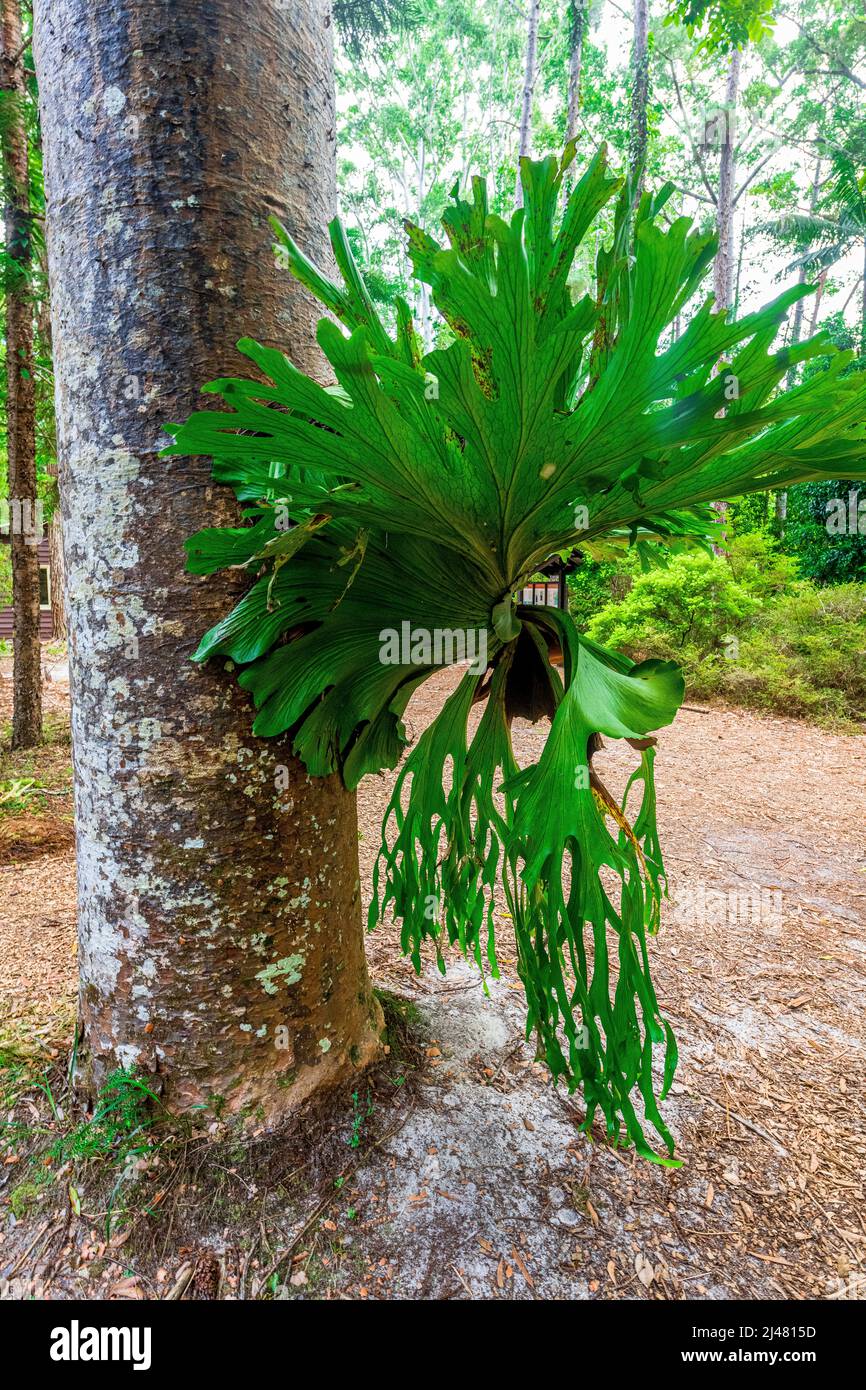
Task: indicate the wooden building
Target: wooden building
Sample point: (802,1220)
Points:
(46,622)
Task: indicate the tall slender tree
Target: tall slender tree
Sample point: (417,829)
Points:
(637,145)
(577,17)
(723,265)
(46,437)
(530,72)
(221,946)
(781,498)
(23,513)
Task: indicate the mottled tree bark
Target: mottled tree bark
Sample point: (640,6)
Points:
(221,947)
(24,526)
(637,144)
(56,573)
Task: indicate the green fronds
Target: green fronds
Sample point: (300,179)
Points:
(391,518)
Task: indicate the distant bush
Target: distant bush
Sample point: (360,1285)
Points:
(746,629)
(827,559)
(805,655)
(594,585)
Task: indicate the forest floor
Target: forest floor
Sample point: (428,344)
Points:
(457,1170)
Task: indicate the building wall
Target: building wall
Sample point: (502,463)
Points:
(7,616)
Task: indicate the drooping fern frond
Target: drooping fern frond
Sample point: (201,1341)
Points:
(392,518)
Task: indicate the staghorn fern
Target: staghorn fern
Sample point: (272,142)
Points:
(426,491)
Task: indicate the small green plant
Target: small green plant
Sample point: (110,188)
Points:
(115,1133)
(14,792)
(120,1115)
(360,1115)
(25,1195)
(745,629)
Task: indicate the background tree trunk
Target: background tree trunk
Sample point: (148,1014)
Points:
(802,276)
(816,303)
(529,75)
(781,497)
(25,530)
(577,19)
(216,905)
(57,571)
(637,144)
(723,266)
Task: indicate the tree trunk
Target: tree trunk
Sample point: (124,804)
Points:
(577,14)
(723,266)
(816,303)
(797,324)
(221,946)
(56,574)
(426,324)
(637,144)
(24,516)
(781,497)
(735,295)
(56,568)
(529,74)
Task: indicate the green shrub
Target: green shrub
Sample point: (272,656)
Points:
(745,629)
(805,655)
(688,609)
(827,559)
(594,585)
(756,562)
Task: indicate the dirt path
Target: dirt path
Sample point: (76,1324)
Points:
(486,1188)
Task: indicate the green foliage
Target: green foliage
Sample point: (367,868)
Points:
(592,586)
(120,1115)
(724,24)
(688,606)
(424,492)
(805,655)
(26,1195)
(13,793)
(744,628)
(361,1112)
(828,559)
(363,22)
